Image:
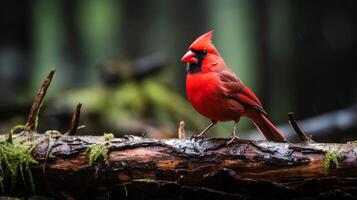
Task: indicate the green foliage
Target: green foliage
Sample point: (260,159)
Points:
(169,105)
(15,159)
(129,102)
(100,150)
(331,159)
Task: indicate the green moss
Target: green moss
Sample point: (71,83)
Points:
(37,114)
(12,130)
(15,159)
(96,151)
(100,150)
(108,136)
(331,160)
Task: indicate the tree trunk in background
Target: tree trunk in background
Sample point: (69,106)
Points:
(191,20)
(234,36)
(15,55)
(47,42)
(275,41)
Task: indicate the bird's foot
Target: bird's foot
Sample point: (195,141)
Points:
(196,137)
(232,139)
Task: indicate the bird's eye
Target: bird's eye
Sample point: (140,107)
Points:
(200,54)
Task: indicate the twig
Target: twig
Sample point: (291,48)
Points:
(75,120)
(303,136)
(31,124)
(181,130)
(333,123)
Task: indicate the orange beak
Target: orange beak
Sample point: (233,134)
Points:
(189,57)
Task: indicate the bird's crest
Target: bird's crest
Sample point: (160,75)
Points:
(204,42)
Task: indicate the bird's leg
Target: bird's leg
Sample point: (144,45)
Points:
(200,135)
(234,135)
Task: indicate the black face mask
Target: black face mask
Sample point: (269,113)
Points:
(197,67)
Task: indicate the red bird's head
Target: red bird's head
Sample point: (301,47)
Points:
(201,54)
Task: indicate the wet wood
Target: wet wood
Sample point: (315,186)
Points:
(141,168)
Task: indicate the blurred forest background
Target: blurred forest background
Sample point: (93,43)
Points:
(121,59)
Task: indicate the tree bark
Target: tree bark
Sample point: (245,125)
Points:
(142,168)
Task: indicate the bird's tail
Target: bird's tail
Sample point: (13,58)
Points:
(267,128)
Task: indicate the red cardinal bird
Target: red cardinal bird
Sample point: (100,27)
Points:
(217,93)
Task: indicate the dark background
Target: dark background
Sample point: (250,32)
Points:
(296,55)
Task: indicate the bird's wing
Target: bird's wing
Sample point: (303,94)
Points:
(235,89)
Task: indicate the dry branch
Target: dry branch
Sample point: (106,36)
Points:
(75,120)
(303,136)
(32,118)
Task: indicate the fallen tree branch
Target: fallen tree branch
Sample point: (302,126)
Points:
(185,167)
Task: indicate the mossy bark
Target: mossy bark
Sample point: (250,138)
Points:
(173,169)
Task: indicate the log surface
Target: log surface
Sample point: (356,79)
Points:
(141,168)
